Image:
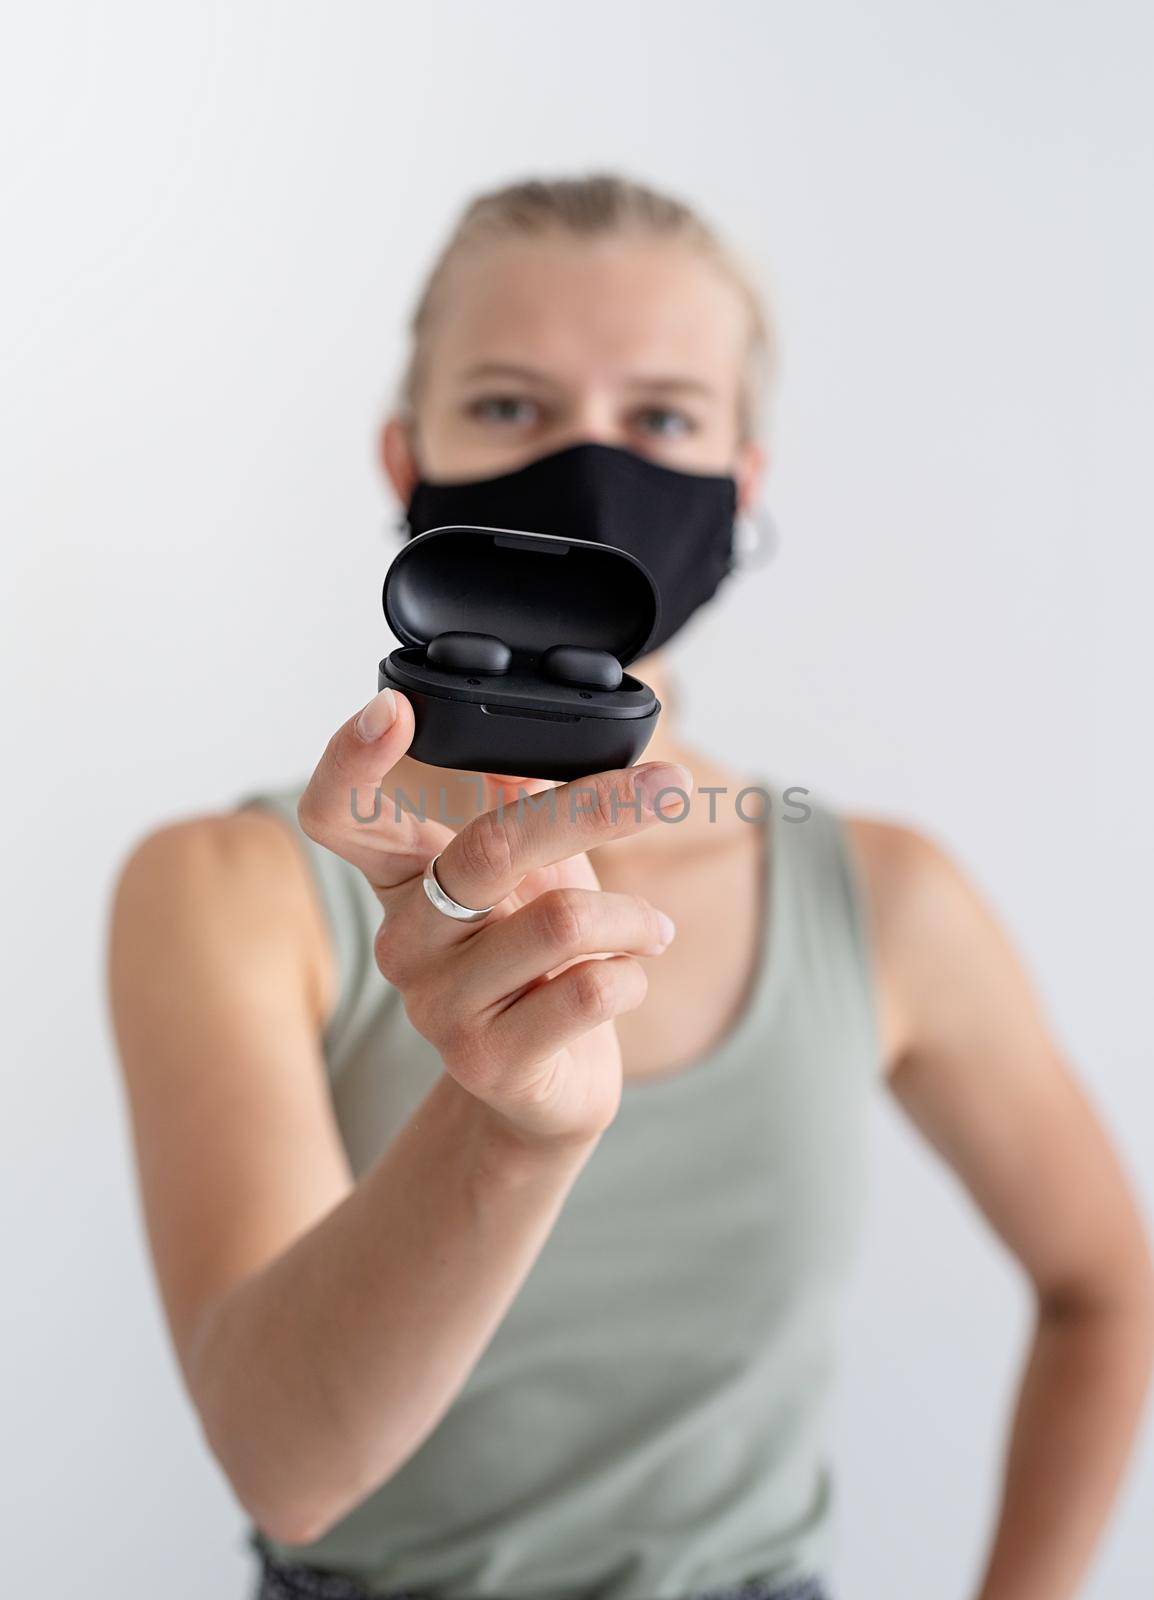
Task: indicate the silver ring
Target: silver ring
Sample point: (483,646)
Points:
(445,902)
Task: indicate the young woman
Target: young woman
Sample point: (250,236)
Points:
(500,1254)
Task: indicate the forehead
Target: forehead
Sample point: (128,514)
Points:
(590,308)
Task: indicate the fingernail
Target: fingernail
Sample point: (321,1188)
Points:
(378,716)
(650,781)
(667,926)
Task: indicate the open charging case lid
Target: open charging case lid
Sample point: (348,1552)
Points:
(532,590)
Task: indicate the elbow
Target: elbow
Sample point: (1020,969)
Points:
(293,1486)
(279,1502)
(269,1486)
(282,1502)
(288,1517)
(1120,1291)
(273,1484)
(297,1513)
(288,1525)
(293,1512)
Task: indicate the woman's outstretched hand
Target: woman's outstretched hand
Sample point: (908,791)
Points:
(520,1007)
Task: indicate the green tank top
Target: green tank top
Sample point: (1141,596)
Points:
(648,1421)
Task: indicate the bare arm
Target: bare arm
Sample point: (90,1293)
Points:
(975,1067)
(323,1327)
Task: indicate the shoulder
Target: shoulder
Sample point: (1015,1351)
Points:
(241,840)
(226,885)
(900,862)
(243,862)
(915,881)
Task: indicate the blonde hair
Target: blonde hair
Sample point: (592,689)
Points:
(596,205)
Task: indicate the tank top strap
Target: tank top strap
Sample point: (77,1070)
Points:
(819,903)
(353,915)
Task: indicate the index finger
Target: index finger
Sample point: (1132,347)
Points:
(486,860)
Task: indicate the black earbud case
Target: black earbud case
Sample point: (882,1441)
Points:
(533,591)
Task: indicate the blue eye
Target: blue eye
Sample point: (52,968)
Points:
(681,423)
(499,408)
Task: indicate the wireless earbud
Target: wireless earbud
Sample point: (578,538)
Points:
(469,652)
(588,669)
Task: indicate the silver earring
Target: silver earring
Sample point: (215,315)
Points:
(755,539)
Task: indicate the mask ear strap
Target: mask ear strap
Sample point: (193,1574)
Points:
(755,539)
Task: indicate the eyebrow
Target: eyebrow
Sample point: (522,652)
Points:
(664,385)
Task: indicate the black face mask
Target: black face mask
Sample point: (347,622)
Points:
(679,524)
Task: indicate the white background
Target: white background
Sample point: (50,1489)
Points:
(215,220)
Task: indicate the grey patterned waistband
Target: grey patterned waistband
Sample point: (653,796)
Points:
(280,1582)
